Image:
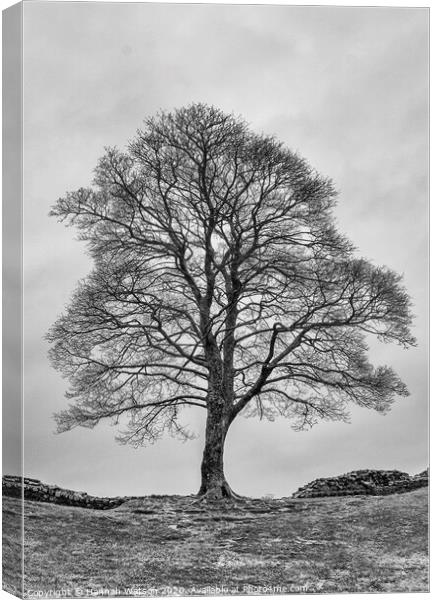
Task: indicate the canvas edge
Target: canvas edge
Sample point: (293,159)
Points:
(12,294)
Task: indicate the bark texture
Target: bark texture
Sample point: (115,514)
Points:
(214,485)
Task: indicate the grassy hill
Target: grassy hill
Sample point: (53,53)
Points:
(173,545)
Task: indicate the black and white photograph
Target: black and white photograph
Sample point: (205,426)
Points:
(215,299)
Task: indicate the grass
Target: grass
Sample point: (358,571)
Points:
(172,545)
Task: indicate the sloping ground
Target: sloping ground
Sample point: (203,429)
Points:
(369,481)
(173,545)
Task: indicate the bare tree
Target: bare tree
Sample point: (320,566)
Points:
(221,282)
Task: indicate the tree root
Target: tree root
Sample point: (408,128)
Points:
(219,493)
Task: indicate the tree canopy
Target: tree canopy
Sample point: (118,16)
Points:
(219,280)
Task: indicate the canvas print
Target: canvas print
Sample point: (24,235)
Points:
(215,314)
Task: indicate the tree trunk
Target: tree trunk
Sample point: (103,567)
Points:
(214,486)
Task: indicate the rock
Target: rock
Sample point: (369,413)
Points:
(14,485)
(424,473)
(375,482)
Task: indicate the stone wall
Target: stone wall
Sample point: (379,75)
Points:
(35,490)
(372,482)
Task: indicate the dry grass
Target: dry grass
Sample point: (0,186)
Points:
(161,544)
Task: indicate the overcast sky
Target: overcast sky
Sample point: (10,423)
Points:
(345,87)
